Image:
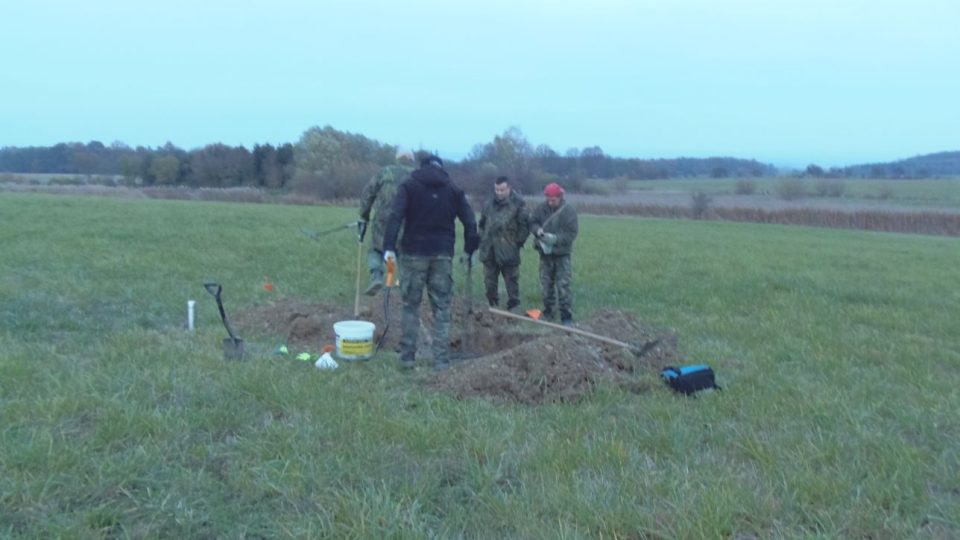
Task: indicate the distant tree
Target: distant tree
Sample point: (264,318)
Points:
(815,171)
(791,189)
(165,170)
(130,166)
(700,204)
(594,162)
(719,172)
(336,164)
(745,187)
(219,165)
(510,153)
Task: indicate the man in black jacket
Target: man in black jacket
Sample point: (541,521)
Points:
(427,206)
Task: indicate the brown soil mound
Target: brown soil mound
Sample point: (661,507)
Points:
(501,359)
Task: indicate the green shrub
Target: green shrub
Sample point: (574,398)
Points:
(791,189)
(700,204)
(830,188)
(745,186)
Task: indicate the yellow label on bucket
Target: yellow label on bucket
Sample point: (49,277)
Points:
(356,346)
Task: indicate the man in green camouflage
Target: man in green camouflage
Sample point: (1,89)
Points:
(554,224)
(503,230)
(377,197)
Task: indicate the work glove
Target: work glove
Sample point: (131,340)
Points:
(361,229)
(389,256)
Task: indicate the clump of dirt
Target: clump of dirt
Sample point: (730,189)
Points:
(501,359)
(557,366)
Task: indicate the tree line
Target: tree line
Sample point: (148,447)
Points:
(329,163)
(214,165)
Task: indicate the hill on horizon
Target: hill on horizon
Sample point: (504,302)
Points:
(922,166)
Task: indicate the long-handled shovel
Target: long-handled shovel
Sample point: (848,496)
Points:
(466,351)
(232,346)
(467,339)
(637,349)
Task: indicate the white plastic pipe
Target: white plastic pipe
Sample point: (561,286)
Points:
(191,304)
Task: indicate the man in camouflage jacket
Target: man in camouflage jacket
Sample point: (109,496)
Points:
(503,230)
(377,198)
(554,224)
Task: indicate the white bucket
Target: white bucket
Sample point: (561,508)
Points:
(354,339)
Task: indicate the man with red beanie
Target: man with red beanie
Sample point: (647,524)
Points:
(554,224)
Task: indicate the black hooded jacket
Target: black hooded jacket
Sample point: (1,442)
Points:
(426,206)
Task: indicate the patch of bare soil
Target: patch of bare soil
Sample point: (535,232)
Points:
(501,359)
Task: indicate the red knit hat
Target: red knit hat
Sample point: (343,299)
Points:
(553,189)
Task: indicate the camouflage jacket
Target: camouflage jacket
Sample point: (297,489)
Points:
(503,230)
(377,197)
(562,222)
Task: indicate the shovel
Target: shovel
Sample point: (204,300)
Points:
(466,340)
(637,349)
(388,283)
(232,346)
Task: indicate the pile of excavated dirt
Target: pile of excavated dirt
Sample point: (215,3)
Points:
(497,358)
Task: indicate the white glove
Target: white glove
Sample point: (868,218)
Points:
(549,238)
(388,255)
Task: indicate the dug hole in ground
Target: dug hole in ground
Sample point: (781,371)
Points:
(500,359)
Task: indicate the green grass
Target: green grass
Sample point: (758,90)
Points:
(944,192)
(839,352)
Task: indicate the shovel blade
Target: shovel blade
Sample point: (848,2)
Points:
(213,288)
(232,349)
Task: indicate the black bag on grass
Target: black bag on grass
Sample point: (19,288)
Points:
(689,379)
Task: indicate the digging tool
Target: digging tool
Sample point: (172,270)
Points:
(232,346)
(316,236)
(638,350)
(466,339)
(388,284)
(361,232)
(468,286)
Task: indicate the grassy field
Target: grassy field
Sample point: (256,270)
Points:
(839,352)
(941,192)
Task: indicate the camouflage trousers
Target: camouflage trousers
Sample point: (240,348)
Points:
(436,274)
(556,272)
(375,263)
(511,279)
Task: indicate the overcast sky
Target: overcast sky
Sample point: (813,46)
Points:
(789,82)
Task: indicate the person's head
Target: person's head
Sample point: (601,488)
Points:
(501,188)
(431,160)
(554,194)
(404,157)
